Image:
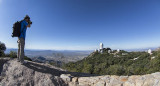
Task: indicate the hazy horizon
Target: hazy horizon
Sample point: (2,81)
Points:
(133,49)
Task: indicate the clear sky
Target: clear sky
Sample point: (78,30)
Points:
(83,24)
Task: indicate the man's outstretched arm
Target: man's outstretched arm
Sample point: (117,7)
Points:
(29,25)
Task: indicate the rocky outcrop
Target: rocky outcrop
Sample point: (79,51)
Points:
(13,73)
(107,80)
(30,74)
(2,61)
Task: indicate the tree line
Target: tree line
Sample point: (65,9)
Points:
(117,63)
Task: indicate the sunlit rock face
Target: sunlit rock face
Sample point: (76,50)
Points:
(30,74)
(14,73)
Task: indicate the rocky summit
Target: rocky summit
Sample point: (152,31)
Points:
(29,74)
(13,73)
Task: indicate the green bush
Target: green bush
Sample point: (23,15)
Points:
(13,54)
(2,49)
(117,64)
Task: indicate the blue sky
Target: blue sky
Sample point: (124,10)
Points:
(83,24)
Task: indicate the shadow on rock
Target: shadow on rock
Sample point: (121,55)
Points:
(44,69)
(2,61)
(54,72)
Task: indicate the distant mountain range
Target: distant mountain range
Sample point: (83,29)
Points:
(141,49)
(63,55)
(56,55)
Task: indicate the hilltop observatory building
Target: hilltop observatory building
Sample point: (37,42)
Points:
(101,47)
(150,51)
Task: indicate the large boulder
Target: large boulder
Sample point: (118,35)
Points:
(30,74)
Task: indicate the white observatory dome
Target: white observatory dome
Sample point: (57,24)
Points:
(101,46)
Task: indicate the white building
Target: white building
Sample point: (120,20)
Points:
(135,58)
(95,50)
(118,50)
(109,51)
(153,57)
(150,51)
(101,47)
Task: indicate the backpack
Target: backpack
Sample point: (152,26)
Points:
(16,29)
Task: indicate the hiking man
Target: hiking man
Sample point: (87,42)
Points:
(21,39)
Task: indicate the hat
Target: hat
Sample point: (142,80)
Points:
(26,17)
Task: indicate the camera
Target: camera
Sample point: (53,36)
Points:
(30,22)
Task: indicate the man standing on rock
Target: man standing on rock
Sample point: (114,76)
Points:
(21,39)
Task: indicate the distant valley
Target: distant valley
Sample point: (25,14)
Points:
(54,55)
